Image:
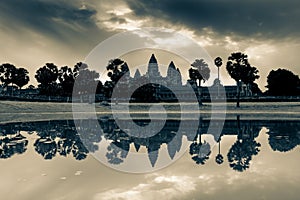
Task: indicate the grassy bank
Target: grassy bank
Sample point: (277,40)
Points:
(16,111)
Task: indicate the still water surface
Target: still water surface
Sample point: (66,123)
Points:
(257,159)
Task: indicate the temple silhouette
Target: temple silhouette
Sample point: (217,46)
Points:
(166,87)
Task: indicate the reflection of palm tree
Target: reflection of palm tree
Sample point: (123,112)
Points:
(200,151)
(219,157)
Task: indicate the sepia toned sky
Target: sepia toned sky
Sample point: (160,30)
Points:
(34,32)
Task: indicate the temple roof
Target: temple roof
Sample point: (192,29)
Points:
(152,59)
(172,65)
(137,74)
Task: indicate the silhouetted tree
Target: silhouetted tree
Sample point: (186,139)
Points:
(117,68)
(7,73)
(66,80)
(198,73)
(86,80)
(47,76)
(240,70)
(255,89)
(21,77)
(67,77)
(99,89)
(283,82)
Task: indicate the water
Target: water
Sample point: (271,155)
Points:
(253,159)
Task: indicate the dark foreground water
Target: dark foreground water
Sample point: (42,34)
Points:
(250,160)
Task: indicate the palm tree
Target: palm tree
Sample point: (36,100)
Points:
(199,72)
(240,70)
(218,63)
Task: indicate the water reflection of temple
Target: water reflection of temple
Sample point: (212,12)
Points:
(60,138)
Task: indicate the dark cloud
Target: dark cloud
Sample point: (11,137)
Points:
(268,18)
(62,20)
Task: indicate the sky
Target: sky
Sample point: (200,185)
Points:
(34,32)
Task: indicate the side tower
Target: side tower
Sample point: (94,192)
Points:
(173,75)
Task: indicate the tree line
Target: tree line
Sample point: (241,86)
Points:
(56,81)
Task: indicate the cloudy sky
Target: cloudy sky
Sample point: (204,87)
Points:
(34,32)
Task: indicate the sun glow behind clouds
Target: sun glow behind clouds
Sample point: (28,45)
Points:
(260,51)
(120,11)
(120,18)
(129,25)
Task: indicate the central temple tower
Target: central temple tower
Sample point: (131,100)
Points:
(153,72)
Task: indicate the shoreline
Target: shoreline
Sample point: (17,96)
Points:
(60,99)
(18,111)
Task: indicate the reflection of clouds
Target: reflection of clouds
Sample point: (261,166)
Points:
(169,187)
(183,186)
(214,182)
